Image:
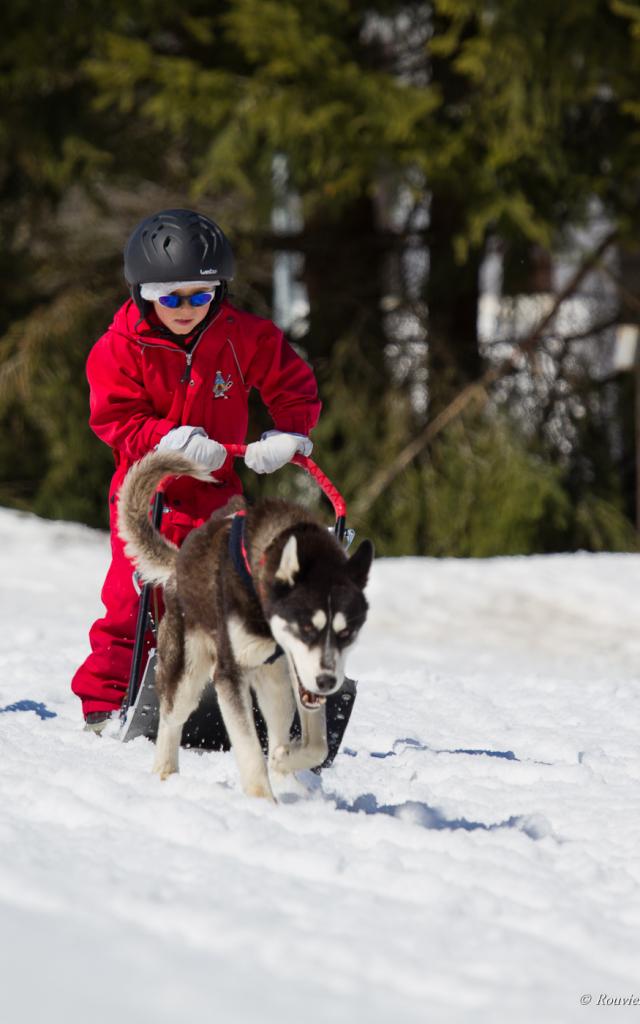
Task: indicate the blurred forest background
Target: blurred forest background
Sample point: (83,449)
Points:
(439,202)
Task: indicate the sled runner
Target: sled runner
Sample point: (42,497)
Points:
(205,729)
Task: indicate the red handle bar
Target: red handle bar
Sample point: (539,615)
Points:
(323,481)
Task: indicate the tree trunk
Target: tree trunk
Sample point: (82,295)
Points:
(452,296)
(343,276)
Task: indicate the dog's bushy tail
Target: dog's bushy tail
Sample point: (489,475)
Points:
(152,554)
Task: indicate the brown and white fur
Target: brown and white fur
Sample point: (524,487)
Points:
(307,597)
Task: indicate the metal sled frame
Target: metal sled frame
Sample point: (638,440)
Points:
(205,729)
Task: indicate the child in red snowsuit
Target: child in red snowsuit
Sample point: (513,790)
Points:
(174,370)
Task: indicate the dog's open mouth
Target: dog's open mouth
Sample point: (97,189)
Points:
(310,700)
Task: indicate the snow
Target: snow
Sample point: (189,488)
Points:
(472,853)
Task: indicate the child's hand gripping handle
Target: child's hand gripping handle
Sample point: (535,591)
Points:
(323,481)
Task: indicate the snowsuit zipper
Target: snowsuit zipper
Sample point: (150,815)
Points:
(186,376)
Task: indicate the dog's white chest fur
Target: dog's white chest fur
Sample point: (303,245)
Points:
(250,651)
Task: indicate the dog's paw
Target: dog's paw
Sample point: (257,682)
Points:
(165,770)
(280,755)
(284,759)
(294,757)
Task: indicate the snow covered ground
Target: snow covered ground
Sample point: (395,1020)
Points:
(473,854)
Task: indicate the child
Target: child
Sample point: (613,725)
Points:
(174,370)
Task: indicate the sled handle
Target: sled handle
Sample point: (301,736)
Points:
(323,481)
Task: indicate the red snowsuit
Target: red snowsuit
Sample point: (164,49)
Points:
(142,386)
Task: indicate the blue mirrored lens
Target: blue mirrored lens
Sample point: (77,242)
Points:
(201,298)
(173,301)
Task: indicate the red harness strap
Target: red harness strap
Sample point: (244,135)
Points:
(240,559)
(238,549)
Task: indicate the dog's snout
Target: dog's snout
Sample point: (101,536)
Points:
(325,682)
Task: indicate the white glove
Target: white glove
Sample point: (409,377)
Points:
(194,443)
(275,450)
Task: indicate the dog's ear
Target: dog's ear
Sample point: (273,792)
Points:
(359,564)
(289,565)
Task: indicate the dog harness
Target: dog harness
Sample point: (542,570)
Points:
(240,559)
(238,550)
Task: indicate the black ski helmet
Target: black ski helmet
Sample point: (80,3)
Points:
(176,245)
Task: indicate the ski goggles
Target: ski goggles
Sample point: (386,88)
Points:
(173,301)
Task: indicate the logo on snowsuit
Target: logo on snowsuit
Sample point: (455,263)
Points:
(221,386)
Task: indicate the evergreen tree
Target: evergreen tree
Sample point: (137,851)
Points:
(501,119)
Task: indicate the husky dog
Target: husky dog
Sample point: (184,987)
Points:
(261,599)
